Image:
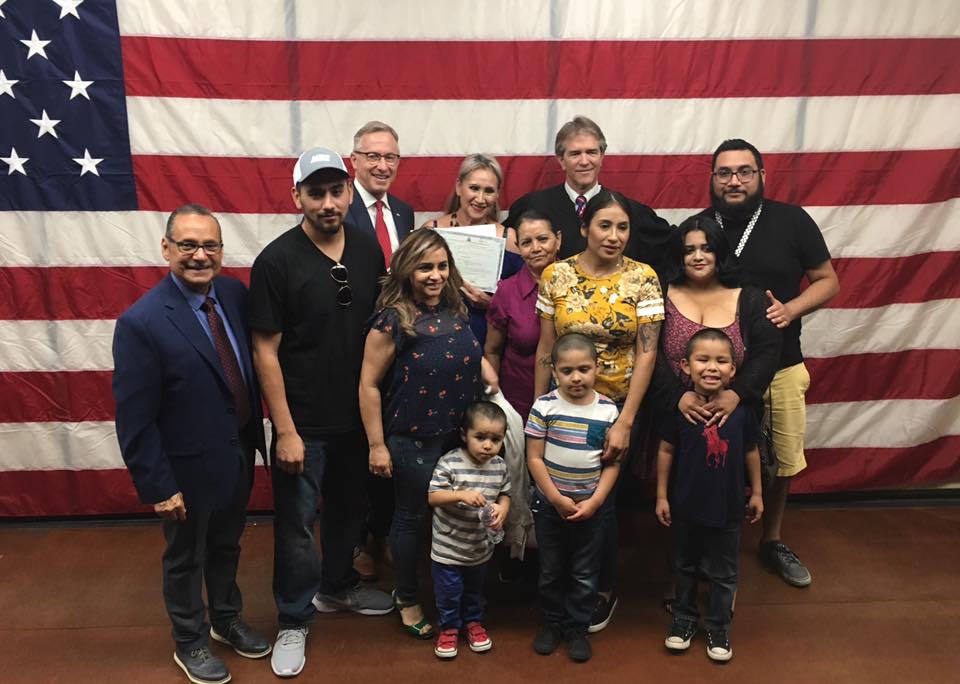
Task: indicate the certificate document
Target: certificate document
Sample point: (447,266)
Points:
(477,253)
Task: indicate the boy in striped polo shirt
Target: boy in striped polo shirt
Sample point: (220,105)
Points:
(464,481)
(565,436)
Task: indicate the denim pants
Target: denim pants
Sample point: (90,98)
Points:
(459,593)
(570,556)
(413,462)
(697,549)
(334,474)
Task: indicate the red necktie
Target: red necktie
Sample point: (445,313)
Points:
(383,235)
(580,203)
(228,360)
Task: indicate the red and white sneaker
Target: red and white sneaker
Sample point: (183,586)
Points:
(447,644)
(477,637)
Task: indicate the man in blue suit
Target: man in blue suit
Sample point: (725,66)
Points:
(188,420)
(375,159)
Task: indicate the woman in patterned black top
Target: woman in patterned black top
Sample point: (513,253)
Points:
(422,366)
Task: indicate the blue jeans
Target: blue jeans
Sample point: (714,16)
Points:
(570,557)
(716,551)
(334,473)
(459,593)
(413,462)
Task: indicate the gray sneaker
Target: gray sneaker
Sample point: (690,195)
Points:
(201,666)
(778,557)
(359,599)
(288,656)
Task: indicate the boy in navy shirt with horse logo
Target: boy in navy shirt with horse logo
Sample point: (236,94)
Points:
(700,494)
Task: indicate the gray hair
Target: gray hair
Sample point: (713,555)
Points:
(189,210)
(579,124)
(374,127)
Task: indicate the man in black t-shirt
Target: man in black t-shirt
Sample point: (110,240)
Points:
(777,245)
(311,291)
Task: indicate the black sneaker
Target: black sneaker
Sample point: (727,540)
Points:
(243,638)
(718,645)
(578,647)
(602,614)
(547,640)
(201,666)
(778,557)
(681,633)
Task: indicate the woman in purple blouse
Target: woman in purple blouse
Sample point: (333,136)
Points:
(513,328)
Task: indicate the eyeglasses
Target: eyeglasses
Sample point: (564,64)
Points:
(375,157)
(743,174)
(190,247)
(340,274)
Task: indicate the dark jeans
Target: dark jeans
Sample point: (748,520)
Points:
(205,549)
(714,551)
(459,593)
(380,513)
(334,473)
(570,556)
(413,464)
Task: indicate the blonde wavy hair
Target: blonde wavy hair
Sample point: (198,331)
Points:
(397,292)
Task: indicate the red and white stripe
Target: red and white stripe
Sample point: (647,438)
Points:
(854,105)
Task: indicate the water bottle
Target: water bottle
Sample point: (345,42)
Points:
(486,515)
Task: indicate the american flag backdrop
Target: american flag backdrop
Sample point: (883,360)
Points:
(113,113)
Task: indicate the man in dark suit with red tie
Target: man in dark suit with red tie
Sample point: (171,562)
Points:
(188,419)
(580,146)
(375,159)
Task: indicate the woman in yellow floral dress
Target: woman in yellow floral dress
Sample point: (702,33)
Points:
(617,303)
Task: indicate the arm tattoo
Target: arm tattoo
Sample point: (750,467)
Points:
(649,333)
(546,361)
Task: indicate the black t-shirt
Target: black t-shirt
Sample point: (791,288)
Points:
(784,244)
(292,292)
(707,477)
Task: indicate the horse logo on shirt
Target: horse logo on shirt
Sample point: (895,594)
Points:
(716,447)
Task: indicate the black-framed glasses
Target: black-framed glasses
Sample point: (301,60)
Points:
(375,157)
(340,276)
(190,247)
(744,174)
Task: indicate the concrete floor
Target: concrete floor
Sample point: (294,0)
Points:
(82,604)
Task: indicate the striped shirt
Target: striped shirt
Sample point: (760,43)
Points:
(459,538)
(575,435)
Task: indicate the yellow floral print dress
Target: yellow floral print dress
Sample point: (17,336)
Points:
(607,309)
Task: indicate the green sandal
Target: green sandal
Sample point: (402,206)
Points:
(421,630)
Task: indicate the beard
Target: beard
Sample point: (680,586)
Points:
(740,212)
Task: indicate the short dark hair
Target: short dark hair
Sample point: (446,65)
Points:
(707,334)
(570,341)
(728,271)
(736,144)
(534,215)
(483,409)
(190,210)
(602,200)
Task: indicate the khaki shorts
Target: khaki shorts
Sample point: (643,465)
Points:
(788,417)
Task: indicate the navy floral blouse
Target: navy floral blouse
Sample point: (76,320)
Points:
(434,375)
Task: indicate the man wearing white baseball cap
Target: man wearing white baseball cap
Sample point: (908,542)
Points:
(311,291)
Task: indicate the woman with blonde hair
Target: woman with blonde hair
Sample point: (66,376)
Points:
(475,202)
(421,367)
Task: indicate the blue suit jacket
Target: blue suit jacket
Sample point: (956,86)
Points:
(402,216)
(175,413)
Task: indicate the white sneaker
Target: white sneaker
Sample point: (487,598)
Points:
(288,656)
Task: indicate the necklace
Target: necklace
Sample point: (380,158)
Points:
(594,274)
(747,230)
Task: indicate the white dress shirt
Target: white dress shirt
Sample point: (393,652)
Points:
(370,202)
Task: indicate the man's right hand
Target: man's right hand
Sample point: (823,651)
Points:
(172,509)
(290,453)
